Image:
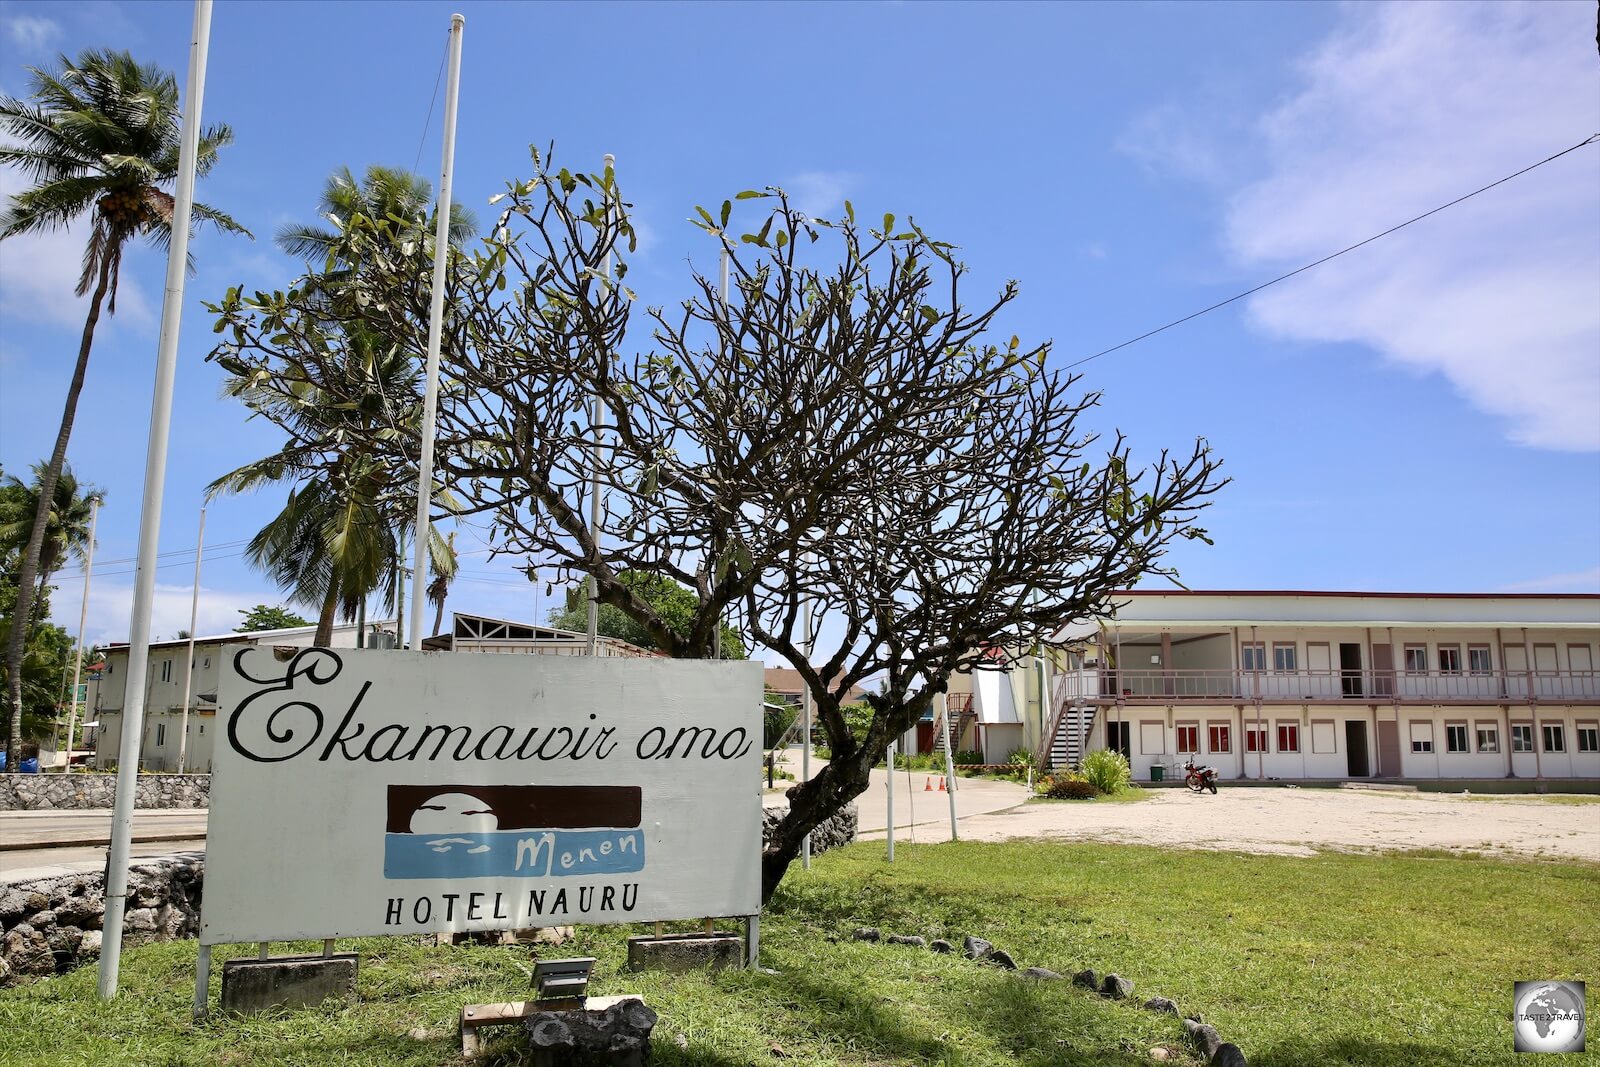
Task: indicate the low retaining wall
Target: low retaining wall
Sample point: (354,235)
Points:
(45,792)
(839,830)
(53,924)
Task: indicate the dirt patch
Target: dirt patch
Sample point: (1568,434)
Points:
(1302,822)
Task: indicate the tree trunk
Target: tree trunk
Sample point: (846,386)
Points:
(330,603)
(811,804)
(438,616)
(47,490)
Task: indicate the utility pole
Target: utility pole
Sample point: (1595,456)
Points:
(83,619)
(188,670)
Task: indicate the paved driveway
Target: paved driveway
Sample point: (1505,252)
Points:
(1300,822)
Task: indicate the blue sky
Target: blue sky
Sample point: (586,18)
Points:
(1421,415)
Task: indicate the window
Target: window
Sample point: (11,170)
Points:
(1323,737)
(1255,740)
(1522,737)
(1455,737)
(1288,737)
(1588,737)
(206,664)
(1478,660)
(161,733)
(166,670)
(1283,656)
(1416,659)
(1189,738)
(1253,657)
(1422,737)
(1554,738)
(1488,737)
(1220,738)
(1450,659)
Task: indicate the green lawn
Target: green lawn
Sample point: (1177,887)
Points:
(1339,959)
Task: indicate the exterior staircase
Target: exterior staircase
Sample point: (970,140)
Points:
(1067,745)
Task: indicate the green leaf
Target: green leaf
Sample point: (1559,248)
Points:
(710,222)
(495,199)
(782,238)
(888,224)
(727,211)
(749,194)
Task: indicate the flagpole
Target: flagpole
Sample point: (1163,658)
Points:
(188,670)
(727,323)
(430,400)
(155,473)
(83,619)
(591,642)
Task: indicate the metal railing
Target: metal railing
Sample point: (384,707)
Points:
(1156,685)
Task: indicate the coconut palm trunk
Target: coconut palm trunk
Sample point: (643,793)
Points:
(47,488)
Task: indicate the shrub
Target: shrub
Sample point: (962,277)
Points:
(1066,787)
(1107,771)
(1020,757)
(966,757)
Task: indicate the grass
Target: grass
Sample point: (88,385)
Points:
(1332,960)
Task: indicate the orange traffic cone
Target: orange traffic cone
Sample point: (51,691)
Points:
(941,785)
(927,787)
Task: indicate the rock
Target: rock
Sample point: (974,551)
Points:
(13,905)
(913,940)
(554,935)
(867,933)
(1001,958)
(1161,1004)
(1116,987)
(37,901)
(1203,1035)
(975,948)
(26,950)
(1042,974)
(617,1026)
(941,945)
(680,1040)
(90,945)
(5,970)
(140,919)
(1228,1055)
(418,1033)
(1160,1052)
(63,940)
(1087,979)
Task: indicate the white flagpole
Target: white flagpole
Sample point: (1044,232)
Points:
(430,399)
(949,765)
(805,712)
(727,321)
(83,619)
(155,474)
(591,642)
(188,670)
(889,792)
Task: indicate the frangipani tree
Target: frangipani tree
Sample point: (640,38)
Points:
(843,432)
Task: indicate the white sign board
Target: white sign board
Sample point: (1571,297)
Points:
(376,792)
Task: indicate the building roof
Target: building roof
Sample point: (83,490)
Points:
(1158,609)
(250,637)
(787,680)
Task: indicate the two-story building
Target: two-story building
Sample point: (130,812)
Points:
(1323,685)
(164,718)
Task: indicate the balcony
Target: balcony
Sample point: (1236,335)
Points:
(1156,686)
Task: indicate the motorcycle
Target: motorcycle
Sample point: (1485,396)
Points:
(1200,779)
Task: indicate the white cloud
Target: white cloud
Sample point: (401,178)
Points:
(111,609)
(819,193)
(1406,107)
(1573,582)
(31,33)
(39,272)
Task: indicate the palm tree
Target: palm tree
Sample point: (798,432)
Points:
(439,588)
(98,138)
(342,531)
(66,536)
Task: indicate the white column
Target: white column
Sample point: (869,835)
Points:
(188,669)
(155,473)
(83,619)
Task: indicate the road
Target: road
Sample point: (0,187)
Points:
(38,844)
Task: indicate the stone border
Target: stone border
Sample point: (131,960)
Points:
(53,924)
(50,792)
(1203,1036)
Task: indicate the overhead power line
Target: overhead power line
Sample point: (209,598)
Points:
(1300,270)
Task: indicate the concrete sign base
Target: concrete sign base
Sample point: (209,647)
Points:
(287,982)
(686,952)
